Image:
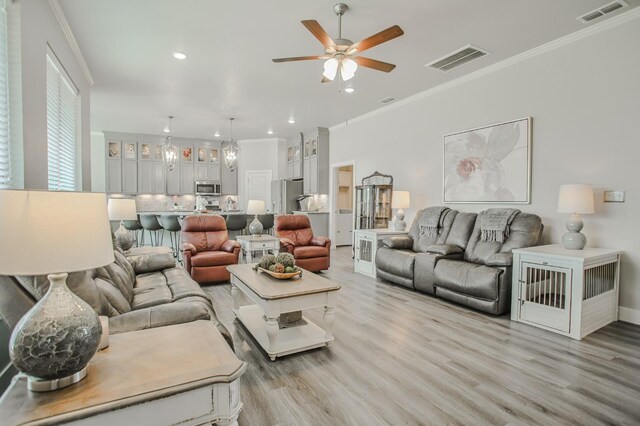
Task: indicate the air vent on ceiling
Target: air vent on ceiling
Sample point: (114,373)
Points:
(602,11)
(387,100)
(457,58)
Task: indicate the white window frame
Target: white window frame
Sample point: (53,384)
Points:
(5,131)
(51,57)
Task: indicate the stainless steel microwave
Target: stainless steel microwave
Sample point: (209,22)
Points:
(208,187)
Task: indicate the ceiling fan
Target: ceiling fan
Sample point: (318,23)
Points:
(343,54)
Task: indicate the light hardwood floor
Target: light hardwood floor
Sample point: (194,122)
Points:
(401,357)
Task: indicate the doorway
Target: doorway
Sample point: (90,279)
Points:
(342,199)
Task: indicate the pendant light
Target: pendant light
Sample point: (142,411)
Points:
(230,150)
(169,151)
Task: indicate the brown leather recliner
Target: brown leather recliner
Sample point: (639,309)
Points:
(207,249)
(296,237)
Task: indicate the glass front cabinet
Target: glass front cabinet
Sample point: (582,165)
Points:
(373,202)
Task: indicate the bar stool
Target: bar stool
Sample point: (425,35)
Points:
(235,223)
(171,224)
(150,223)
(267,223)
(134,226)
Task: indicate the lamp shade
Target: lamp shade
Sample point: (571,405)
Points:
(576,198)
(256,207)
(400,200)
(47,232)
(122,209)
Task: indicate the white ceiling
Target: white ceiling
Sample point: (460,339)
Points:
(230,44)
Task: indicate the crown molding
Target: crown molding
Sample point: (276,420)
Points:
(613,22)
(66,29)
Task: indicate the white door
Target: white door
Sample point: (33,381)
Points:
(258,186)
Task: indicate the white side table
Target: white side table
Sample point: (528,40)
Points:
(569,292)
(367,242)
(248,243)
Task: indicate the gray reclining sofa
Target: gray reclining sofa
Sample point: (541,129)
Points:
(135,292)
(461,257)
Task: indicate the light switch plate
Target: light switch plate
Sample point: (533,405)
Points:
(614,196)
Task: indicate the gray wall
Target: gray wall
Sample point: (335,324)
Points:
(584,98)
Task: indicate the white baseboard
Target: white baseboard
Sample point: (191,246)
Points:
(629,315)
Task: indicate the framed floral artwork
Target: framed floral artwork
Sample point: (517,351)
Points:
(490,164)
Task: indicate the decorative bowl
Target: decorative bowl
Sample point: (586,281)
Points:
(281,275)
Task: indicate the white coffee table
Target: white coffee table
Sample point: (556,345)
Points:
(249,243)
(269,297)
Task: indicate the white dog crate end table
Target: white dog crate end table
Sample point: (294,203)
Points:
(367,242)
(570,292)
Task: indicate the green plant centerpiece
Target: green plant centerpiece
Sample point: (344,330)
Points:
(283,263)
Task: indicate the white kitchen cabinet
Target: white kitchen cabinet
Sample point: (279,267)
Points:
(367,242)
(173,181)
(316,162)
(151,178)
(187,181)
(294,158)
(114,176)
(569,292)
(129,177)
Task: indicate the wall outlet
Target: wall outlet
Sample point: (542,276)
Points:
(614,196)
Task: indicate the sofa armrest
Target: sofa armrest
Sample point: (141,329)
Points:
(230,246)
(320,241)
(158,316)
(500,259)
(444,249)
(152,262)
(399,243)
(286,245)
(190,248)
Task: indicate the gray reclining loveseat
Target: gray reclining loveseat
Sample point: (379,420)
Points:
(462,257)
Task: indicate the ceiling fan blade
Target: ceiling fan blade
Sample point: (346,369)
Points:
(374,64)
(298,58)
(319,32)
(376,39)
(325,80)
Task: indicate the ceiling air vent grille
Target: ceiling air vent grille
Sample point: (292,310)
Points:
(602,11)
(387,100)
(457,58)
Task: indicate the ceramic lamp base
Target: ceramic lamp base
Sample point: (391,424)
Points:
(124,237)
(574,239)
(255,227)
(54,341)
(398,221)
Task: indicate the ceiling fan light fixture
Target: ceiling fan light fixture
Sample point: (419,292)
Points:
(348,69)
(331,68)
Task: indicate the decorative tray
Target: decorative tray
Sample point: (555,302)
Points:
(283,275)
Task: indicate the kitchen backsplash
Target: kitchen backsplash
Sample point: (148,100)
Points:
(148,202)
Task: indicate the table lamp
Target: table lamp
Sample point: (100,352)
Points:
(400,200)
(576,199)
(123,209)
(256,207)
(54,233)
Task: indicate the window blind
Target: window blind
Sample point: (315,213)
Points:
(61,129)
(5,144)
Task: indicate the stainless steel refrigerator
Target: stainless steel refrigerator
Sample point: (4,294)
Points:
(284,193)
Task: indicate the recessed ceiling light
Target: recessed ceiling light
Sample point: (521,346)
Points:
(269,132)
(291,120)
(349,90)
(216,135)
(179,55)
(167,130)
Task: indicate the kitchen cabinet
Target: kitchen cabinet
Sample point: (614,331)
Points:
(316,162)
(151,177)
(114,176)
(187,181)
(173,181)
(129,177)
(294,158)
(207,172)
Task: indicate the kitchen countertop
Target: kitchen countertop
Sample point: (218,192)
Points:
(299,212)
(186,212)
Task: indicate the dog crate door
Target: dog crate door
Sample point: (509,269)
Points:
(545,295)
